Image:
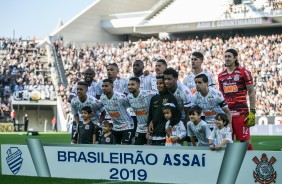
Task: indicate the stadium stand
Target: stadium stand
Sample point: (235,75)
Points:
(110,27)
(24,70)
(260,54)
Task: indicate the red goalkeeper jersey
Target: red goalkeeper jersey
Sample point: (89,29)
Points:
(233,87)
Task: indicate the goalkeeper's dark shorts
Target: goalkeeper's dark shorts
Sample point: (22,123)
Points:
(240,129)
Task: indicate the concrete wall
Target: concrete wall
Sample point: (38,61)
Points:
(86,27)
(37,116)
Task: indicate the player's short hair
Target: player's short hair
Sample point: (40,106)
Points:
(235,55)
(194,109)
(88,69)
(171,71)
(108,80)
(223,117)
(140,61)
(162,61)
(136,79)
(198,55)
(160,76)
(87,109)
(202,76)
(113,64)
(82,83)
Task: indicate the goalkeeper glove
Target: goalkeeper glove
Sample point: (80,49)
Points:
(251,118)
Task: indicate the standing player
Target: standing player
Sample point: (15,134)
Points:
(120,84)
(116,106)
(89,75)
(145,81)
(197,59)
(236,82)
(210,100)
(83,100)
(139,100)
(160,67)
(182,93)
(156,119)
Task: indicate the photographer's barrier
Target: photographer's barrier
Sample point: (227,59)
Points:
(143,163)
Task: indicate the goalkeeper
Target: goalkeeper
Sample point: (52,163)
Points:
(236,83)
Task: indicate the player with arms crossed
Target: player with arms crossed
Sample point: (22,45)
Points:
(116,105)
(140,102)
(210,100)
(236,82)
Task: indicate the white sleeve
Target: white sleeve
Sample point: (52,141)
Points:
(182,130)
(189,129)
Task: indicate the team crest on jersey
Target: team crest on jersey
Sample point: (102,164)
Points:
(264,172)
(165,100)
(14,159)
(108,139)
(236,77)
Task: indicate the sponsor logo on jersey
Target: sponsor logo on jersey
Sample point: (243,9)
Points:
(209,113)
(14,159)
(230,89)
(264,172)
(165,100)
(114,114)
(141,112)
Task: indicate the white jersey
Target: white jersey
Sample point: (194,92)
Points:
(211,104)
(221,134)
(146,83)
(201,131)
(178,130)
(154,83)
(120,86)
(92,90)
(140,105)
(96,106)
(184,99)
(189,81)
(116,108)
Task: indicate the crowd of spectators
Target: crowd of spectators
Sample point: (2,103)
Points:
(260,54)
(270,6)
(253,8)
(21,68)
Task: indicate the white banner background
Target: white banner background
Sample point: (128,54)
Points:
(205,172)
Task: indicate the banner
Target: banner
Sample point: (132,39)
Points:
(143,163)
(6,127)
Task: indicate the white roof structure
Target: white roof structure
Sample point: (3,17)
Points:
(86,27)
(107,21)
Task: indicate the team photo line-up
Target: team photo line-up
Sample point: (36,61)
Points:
(160,110)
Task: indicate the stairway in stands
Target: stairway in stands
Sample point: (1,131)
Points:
(59,67)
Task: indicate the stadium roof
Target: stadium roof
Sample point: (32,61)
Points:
(107,20)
